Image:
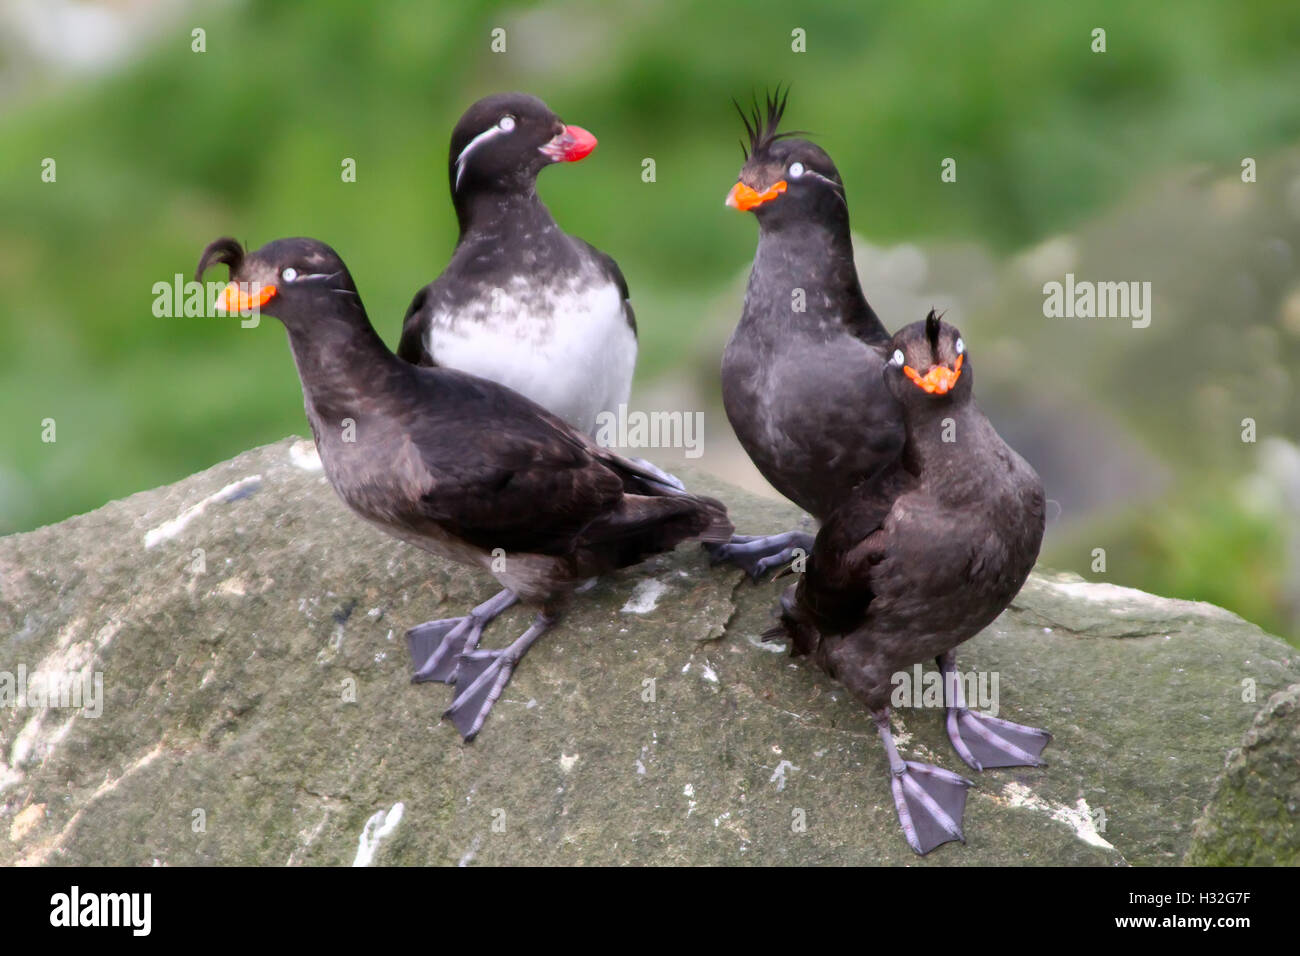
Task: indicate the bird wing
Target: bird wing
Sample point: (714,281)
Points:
(497,471)
(412,346)
(837,591)
(615,275)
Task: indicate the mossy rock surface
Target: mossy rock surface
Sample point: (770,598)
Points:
(257,708)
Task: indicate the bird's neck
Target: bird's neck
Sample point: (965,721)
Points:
(487,214)
(809,265)
(339,357)
(948,441)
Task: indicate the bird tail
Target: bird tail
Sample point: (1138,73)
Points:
(715,524)
(649,475)
(645,525)
(645,480)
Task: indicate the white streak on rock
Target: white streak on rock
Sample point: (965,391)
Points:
(170,529)
(41,854)
(645,596)
(378,828)
(472,852)
(772,647)
(1078,818)
(303,454)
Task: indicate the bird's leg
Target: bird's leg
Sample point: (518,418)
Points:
(758,554)
(436,646)
(930,800)
(484,674)
(983,741)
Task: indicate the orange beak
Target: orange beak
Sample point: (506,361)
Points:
(939,380)
(237,298)
(744,198)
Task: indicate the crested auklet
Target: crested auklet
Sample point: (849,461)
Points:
(918,558)
(458,465)
(801,375)
(521,302)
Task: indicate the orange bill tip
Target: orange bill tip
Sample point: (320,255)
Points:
(939,380)
(744,198)
(236,297)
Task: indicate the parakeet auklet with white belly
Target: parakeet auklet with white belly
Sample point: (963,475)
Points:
(521,302)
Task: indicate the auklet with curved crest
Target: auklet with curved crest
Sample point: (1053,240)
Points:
(521,302)
(920,557)
(801,375)
(458,465)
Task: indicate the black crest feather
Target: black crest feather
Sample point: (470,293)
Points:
(761,122)
(224,250)
(932,329)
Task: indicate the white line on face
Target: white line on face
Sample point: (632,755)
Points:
(500,128)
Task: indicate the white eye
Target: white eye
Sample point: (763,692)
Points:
(506,124)
(796,170)
(289,274)
(898,358)
(961,346)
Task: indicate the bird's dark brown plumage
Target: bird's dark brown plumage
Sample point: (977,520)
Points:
(459,465)
(801,374)
(921,557)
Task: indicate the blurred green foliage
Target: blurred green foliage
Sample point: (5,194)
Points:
(247,139)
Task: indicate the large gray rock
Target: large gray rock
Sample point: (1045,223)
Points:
(256,707)
(1252,815)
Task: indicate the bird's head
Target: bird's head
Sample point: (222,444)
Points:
(928,362)
(784,178)
(295,280)
(503,141)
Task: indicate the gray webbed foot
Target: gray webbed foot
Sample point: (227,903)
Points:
(483,676)
(758,554)
(930,800)
(985,742)
(436,646)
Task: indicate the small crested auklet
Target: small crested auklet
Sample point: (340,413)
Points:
(801,375)
(521,302)
(918,558)
(458,465)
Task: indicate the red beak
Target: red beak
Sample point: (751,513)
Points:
(570,146)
